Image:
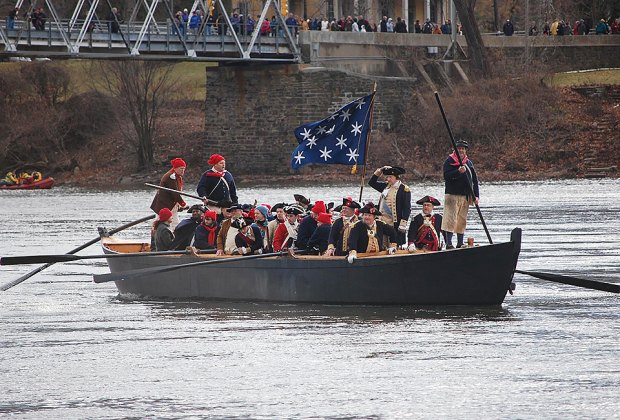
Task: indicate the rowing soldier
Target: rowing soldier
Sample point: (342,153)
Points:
(286,233)
(217,185)
(173,179)
(367,236)
(338,243)
(395,201)
(425,229)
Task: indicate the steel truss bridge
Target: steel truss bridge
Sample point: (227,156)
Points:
(91,37)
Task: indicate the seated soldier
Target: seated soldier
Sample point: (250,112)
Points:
(184,231)
(261,214)
(307,226)
(425,227)
(367,236)
(318,240)
(338,243)
(248,239)
(227,233)
(205,236)
(280,217)
(162,234)
(286,233)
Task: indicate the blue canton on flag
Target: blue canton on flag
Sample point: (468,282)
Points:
(339,138)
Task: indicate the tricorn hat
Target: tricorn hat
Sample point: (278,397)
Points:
(428,199)
(394,170)
(301,199)
(235,206)
(278,206)
(370,209)
(241,222)
(348,202)
(294,209)
(197,207)
(462,143)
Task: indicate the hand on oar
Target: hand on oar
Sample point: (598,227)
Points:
(51,259)
(133,274)
(73,251)
(574,281)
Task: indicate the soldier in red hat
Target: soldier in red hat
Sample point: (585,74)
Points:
(425,228)
(173,179)
(367,236)
(217,185)
(205,236)
(338,242)
(318,240)
(307,226)
(395,200)
(161,234)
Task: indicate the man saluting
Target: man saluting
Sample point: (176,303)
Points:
(395,201)
(217,185)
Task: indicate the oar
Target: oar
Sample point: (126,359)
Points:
(39,259)
(159,187)
(73,251)
(471,187)
(132,274)
(574,281)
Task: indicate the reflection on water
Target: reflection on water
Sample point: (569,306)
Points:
(71,349)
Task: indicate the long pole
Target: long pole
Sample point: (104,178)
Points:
(372,109)
(159,187)
(456,152)
(73,251)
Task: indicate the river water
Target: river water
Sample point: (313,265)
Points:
(69,349)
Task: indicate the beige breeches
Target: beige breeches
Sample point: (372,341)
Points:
(455,213)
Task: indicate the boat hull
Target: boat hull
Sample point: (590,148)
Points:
(479,275)
(43,184)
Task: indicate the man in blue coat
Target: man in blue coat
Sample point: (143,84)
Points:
(217,185)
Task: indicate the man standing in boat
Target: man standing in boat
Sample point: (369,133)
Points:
(173,179)
(461,180)
(425,228)
(338,242)
(217,185)
(367,236)
(395,201)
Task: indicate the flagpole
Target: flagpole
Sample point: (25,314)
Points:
(372,109)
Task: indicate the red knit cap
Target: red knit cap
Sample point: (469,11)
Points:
(215,158)
(325,218)
(319,207)
(211,215)
(178,163)
(165,214)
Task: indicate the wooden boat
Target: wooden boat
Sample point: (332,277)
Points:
(43,184)
(480,275)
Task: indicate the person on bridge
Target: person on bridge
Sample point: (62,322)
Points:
(217,185)
(508,28)
(114,21)
(401,26)
(11,18)
(194,23)
(461,180)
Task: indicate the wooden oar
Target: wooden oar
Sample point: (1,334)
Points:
(574,281)
(73,251)
(471,187)
(159,187)
(132,274)
(39,259)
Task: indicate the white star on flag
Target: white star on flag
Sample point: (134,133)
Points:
(312,142)
(357,129)
(331,130)
(299,156)
(306,133)
(352,155)
(321,129)
(346,114)
(342,141)
(326,154)
(360,104)
(332,117)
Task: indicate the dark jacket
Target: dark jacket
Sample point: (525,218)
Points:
(217,188)
(319,238)
(255,245)
(184,232)
(165,198)
(458,183)
(335,237)
(358,239)
(201,238)
(163,237)
(403,199)
(306,228)
(417,222)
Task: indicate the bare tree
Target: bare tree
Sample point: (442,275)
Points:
(475,45)
(143,88)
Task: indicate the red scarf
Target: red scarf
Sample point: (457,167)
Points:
(211,230)
(211,172)
(455,159)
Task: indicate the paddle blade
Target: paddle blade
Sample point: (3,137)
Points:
(574,281)
(37,259)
